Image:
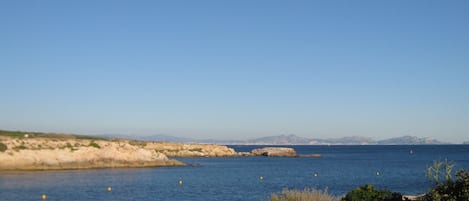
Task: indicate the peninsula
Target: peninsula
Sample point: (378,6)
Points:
(51,151)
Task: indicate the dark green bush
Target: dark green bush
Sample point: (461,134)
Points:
(450,190)
(93,144)
(3,147)
(370,193)
(196,149)
(20,147)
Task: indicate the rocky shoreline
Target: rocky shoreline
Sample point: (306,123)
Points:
(55,152)
(38,153)
(190,150)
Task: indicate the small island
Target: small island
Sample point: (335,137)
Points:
(275,152)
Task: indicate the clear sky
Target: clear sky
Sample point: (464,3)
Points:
(236,69)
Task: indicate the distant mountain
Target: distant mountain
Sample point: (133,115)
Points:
(353,140)
(290,140)
(169,138)
(279,140)
(467,142)
(164,138)
(409,140)
(297,140)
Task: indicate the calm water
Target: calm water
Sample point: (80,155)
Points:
(340,169)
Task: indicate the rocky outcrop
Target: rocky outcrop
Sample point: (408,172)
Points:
(50,153)
(275,151)
(47,152)
(190,150)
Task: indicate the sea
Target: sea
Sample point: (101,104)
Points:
(339,170)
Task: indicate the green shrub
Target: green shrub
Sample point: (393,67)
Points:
(93,144)
(196,150)
(3,147)
(138,143)
(370,193)
(440,172)
(70,146)
(450,190)
(86,137)
(21,147)
(305,195)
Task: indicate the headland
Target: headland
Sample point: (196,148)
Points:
(52,151)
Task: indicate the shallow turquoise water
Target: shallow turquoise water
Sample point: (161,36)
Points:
(340,169)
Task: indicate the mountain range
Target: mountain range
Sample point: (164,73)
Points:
(294,140)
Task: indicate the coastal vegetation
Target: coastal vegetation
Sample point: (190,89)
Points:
(94,144)
(450,190)
(370,193)
(445,187)
(363,193)
(20,147)
(440,171)
(3,147)
(304,195)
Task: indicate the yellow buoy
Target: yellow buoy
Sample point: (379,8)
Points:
(43,196)
(109,189)
(180,182)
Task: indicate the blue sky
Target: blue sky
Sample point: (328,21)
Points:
(236,69)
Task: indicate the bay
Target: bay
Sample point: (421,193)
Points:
(339,169)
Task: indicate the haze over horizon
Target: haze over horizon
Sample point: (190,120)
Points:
(236,70)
